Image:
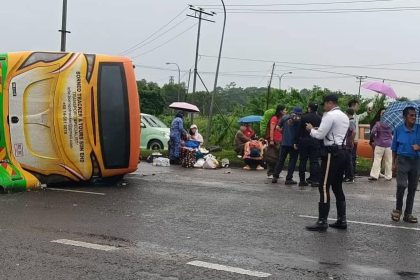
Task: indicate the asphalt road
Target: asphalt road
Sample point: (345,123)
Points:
(174,223)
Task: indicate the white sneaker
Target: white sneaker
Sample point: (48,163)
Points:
(270,176)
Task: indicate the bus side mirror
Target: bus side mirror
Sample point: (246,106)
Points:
(143,125)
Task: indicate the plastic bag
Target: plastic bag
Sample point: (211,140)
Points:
(200,163)
(211,162)
(161,161)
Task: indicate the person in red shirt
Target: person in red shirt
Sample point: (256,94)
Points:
(274,137)
(249,132)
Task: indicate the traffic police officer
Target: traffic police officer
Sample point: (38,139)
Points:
(332,131)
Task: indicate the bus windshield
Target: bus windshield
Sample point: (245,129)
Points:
(113,115)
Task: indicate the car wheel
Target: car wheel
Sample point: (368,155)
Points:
(155,145)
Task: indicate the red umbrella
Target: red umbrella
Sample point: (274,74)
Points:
(381,88)
(184,106)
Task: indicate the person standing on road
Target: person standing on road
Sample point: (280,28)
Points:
(351,134)
(274,138)
(290,127)
(309,148)
(355,105)
(382,139)
(406,155)
(332,130)
(177,131)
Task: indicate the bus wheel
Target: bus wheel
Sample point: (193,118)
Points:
(155,145)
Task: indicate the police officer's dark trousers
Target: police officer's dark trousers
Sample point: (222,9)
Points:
(332,170)
(309,148)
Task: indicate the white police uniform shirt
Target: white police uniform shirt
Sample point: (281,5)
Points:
(333,128)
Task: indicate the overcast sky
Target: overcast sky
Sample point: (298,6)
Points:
(293,40)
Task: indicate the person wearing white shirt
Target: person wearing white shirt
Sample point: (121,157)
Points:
(333,131)
(354,104)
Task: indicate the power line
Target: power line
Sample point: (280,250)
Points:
(323,11)
(166,42)
(340,75)
(154,33)
(323,71)
(301,4)
(368,66)
(156,38)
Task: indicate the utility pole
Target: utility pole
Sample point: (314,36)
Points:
(63,29)
(171,80)
(361,79)
(179,77)
(269,86)
(188,86)
(198,14)
(216,77)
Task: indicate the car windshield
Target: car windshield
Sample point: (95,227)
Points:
(152,121)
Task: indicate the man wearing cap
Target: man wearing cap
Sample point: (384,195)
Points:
(332,131)
(309,148)
(290,128)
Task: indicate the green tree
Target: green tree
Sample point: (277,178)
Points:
(151,100)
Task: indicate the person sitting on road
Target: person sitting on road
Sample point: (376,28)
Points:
(249,132)
(240,140)
(195,135)
(253,154)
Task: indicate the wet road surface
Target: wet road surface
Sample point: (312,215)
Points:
(174,223)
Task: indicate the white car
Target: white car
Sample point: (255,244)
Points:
(154,133)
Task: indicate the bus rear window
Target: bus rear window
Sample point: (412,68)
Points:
(113,111)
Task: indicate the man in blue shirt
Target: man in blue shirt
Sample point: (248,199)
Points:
(290,128)
(406,158)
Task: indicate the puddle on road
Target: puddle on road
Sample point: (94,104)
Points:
(407,275)
(330,264)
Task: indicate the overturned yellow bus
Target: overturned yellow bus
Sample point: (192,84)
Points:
(66,116)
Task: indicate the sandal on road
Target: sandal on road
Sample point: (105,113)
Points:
(410,219)
(396,215)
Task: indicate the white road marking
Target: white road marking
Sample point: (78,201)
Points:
(229,269)
(368,224)
(74,191)
(85,245)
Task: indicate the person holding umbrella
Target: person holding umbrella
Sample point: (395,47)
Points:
(177,131)
(406,159)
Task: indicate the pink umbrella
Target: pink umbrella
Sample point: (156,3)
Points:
(184,106)
(381,88)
